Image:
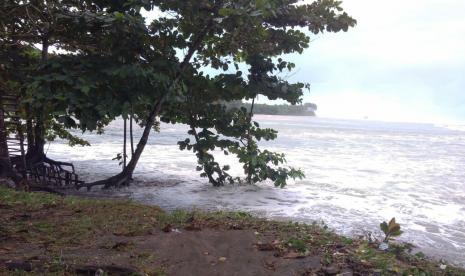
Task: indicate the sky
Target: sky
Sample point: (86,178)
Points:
(404,61)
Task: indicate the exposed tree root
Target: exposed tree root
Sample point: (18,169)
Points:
(119,180)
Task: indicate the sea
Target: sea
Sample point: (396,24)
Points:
(359,173)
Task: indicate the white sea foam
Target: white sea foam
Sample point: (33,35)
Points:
(358,174)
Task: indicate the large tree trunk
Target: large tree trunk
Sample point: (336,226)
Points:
(29,127)
(125,176)
(249,142)
(35,151)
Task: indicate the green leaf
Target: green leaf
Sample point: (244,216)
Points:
(85,89)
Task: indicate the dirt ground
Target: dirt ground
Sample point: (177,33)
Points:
(178,252)
(45,234)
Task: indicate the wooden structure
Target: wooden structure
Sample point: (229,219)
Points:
(5,165)
(45,172)
(13,134)
(54,173)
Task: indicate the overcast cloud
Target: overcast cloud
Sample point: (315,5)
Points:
(404,61)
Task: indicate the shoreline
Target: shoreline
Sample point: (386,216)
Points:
(435,251)
(431,252)
(113,230)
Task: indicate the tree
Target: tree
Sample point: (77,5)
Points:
(117,66)
(56,88)
(218,34)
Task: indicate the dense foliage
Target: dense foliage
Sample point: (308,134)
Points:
(111,62)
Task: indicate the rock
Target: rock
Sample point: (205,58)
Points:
(192,227)
(270,264)
(236,227)
(346,272)
(167,228)
(265,247)
(106,270)
(222,259)
(331,270)
(6,182)
(18,265)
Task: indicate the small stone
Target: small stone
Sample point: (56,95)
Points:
(236,227)
(222,259)
(167,228)
(346,272)
(293,255)
(331,270)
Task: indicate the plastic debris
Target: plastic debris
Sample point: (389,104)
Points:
(384,246)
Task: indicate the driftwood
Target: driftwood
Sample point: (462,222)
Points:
(19,265)
(77,269)
(105,270)
(119,180)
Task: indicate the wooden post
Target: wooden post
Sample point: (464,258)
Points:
(5,164)
(6,169)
